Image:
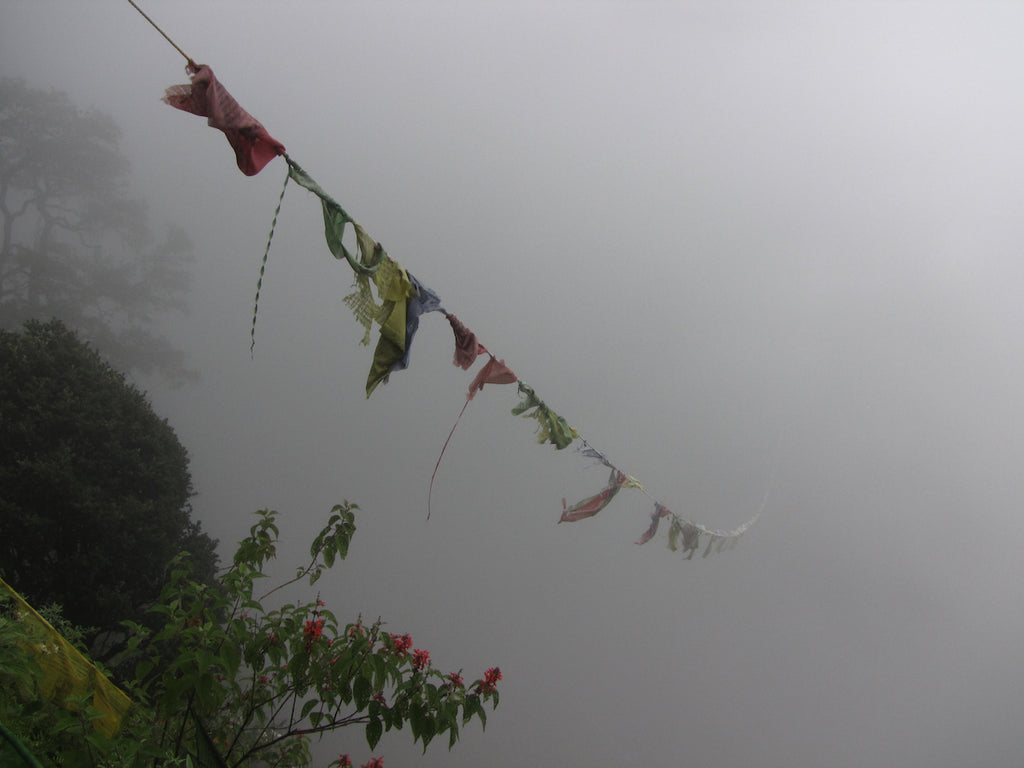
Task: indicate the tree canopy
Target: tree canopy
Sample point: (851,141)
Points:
(94,486)
(73,243)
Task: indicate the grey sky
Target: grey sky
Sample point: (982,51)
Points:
(717,238)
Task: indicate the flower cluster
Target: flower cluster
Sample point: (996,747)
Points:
(455,680)
(344,761)
(420,659)
(490,681)
(374,762)
(313,630)
(401,644)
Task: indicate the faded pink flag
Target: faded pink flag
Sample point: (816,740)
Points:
(206,97)
(591,505)
(494,372)
(660,511)
(467,348)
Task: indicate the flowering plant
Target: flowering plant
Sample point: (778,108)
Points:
(249,682)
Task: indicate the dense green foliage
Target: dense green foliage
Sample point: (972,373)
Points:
(94,486)
(248,684)
(73,243)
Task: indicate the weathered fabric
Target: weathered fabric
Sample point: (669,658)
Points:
(467,348)
(371,254)
(689,532)
(420,303)
(394,288)
(67,674)
(591,505)
(494,371)
(206,97)
(660,511)
(551,427)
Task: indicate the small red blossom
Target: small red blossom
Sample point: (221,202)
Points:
(344,761)
(320,603)
(420,659)
(379,697)
(374,762)
(455,680)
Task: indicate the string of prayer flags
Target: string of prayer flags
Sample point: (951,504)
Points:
(400,301)
(206,97)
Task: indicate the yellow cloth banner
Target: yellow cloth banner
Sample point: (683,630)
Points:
(67,673)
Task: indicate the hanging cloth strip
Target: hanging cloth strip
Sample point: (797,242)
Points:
(206,97)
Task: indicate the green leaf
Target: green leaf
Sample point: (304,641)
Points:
(374,729)
(230,655)
(453,735)
(361,692)
(307,708)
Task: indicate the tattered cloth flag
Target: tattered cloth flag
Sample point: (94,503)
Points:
(206,97)
(550,426)
(467,348)
(404,300)
(591,505)
(67,676)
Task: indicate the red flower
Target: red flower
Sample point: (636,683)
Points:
(374,762)
(490,681)
(344,761)
(313,631)
(401,643)
(455,679)
(420,659)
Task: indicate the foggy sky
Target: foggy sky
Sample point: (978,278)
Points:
(723,240)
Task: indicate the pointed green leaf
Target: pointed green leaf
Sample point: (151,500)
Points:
(374,728)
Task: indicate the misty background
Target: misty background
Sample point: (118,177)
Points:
(723,240)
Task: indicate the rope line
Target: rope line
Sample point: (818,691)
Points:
(263,265)
(188,58)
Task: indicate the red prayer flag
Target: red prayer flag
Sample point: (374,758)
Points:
(591,505)
(467,348)
(206,97)
(660,511)
(494,372)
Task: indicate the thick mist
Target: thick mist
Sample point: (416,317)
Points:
(742,247)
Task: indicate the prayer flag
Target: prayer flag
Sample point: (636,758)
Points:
(206,97)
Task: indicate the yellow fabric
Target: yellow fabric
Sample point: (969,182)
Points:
(67,673)
(394,289)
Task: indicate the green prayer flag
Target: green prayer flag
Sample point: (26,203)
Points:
(551,427)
